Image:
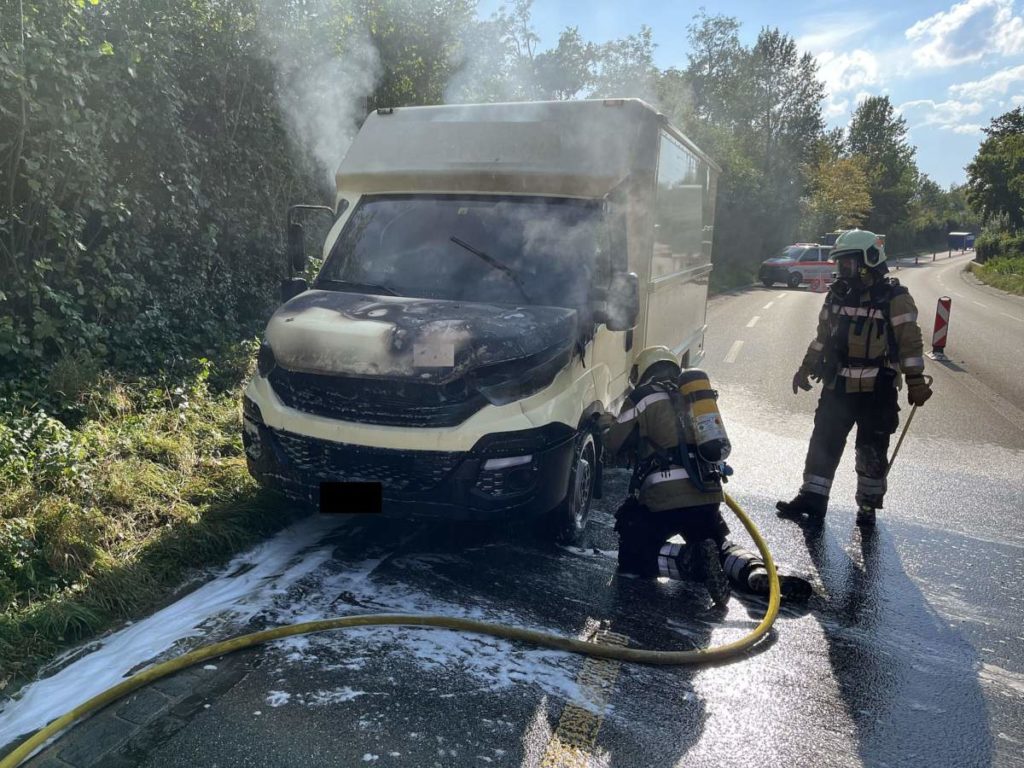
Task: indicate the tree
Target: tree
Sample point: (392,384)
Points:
(625,67)
(839,196)
(567,69)
(879,135)
(995,178)
(714,66)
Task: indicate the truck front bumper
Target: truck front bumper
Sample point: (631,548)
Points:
(505,476)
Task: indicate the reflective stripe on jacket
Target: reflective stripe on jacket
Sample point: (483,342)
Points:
(647,417)
(859,330)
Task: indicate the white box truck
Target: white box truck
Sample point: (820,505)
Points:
(491,273)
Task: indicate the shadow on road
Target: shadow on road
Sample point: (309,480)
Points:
(908,680)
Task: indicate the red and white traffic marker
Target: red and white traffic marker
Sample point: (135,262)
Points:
(941,328)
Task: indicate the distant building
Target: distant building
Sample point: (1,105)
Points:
(960,241)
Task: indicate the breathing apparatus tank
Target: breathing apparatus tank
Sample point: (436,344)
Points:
(712,443)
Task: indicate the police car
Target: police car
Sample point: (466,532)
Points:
(799,263)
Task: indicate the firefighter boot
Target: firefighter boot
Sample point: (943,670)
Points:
(708,568)
(814,505)
(790,587)
(866,516)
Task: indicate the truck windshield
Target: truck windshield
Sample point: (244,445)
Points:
(535,250)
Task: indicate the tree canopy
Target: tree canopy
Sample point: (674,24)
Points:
(995,178)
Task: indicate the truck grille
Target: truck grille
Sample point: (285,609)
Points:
(397,471)
(377,401)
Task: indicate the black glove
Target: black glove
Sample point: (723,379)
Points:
(801,379)
(918,390)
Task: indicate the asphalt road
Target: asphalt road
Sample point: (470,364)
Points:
(911,653)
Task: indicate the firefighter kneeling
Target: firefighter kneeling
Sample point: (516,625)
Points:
(672,432)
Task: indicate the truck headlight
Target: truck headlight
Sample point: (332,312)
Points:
(513,380)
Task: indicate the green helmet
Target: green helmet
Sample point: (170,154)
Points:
(869,246)
(650,357)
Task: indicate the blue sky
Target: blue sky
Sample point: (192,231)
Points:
(948,67)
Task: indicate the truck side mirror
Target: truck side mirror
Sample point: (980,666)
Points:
(292,287)
(620,306)
(296,248)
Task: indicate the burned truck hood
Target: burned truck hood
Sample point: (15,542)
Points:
(353,334)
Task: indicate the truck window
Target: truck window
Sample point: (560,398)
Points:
(682,238)
(554,246)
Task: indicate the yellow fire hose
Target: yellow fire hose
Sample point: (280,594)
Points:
(544,639)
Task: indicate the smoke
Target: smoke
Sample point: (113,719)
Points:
(323,77)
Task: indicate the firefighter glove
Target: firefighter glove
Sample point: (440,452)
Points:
(918,390)
(801,380)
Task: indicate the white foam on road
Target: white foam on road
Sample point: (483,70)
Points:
(494,664)
(242,590)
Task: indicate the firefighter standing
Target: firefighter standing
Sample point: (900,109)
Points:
(867,335)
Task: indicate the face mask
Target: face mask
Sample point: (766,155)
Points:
(849,269)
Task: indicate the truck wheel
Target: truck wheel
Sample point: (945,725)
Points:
(795,279)
(568,521)
(767,283)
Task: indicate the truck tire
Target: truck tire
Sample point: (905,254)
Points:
(567,522)
(794,280)
(767,283)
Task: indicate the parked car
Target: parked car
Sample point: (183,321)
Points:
(799,263)
(491,274)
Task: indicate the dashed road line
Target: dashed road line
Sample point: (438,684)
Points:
(753,321)
(1012,317)
(769,305)
(980,304)
(734,350)
(573,741)
(782,296)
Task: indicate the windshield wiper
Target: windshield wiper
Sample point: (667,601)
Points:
(361,287)
(494,263)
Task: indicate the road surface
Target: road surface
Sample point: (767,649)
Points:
(911,653)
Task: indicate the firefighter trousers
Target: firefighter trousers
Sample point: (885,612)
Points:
(876,415)
(642,533)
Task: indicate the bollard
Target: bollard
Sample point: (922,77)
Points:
(941,327)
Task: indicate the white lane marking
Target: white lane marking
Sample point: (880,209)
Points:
(782,296)
(980,304)
(769,305)
(753,321)
(1012,317)
(734,350)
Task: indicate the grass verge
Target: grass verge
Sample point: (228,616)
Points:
(1003,272)
(103,521)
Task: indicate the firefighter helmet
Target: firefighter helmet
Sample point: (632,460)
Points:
(651,357)
(867,245)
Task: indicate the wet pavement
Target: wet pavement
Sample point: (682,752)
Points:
(911,653)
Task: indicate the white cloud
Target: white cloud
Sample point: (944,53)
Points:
(989,87)
(966,32)
(833,30)
(835,108)
(946,115)
(849,70)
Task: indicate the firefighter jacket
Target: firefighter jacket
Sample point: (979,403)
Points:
(866,336)
(649,429)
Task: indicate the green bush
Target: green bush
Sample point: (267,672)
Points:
(1005,273)
(995,243)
